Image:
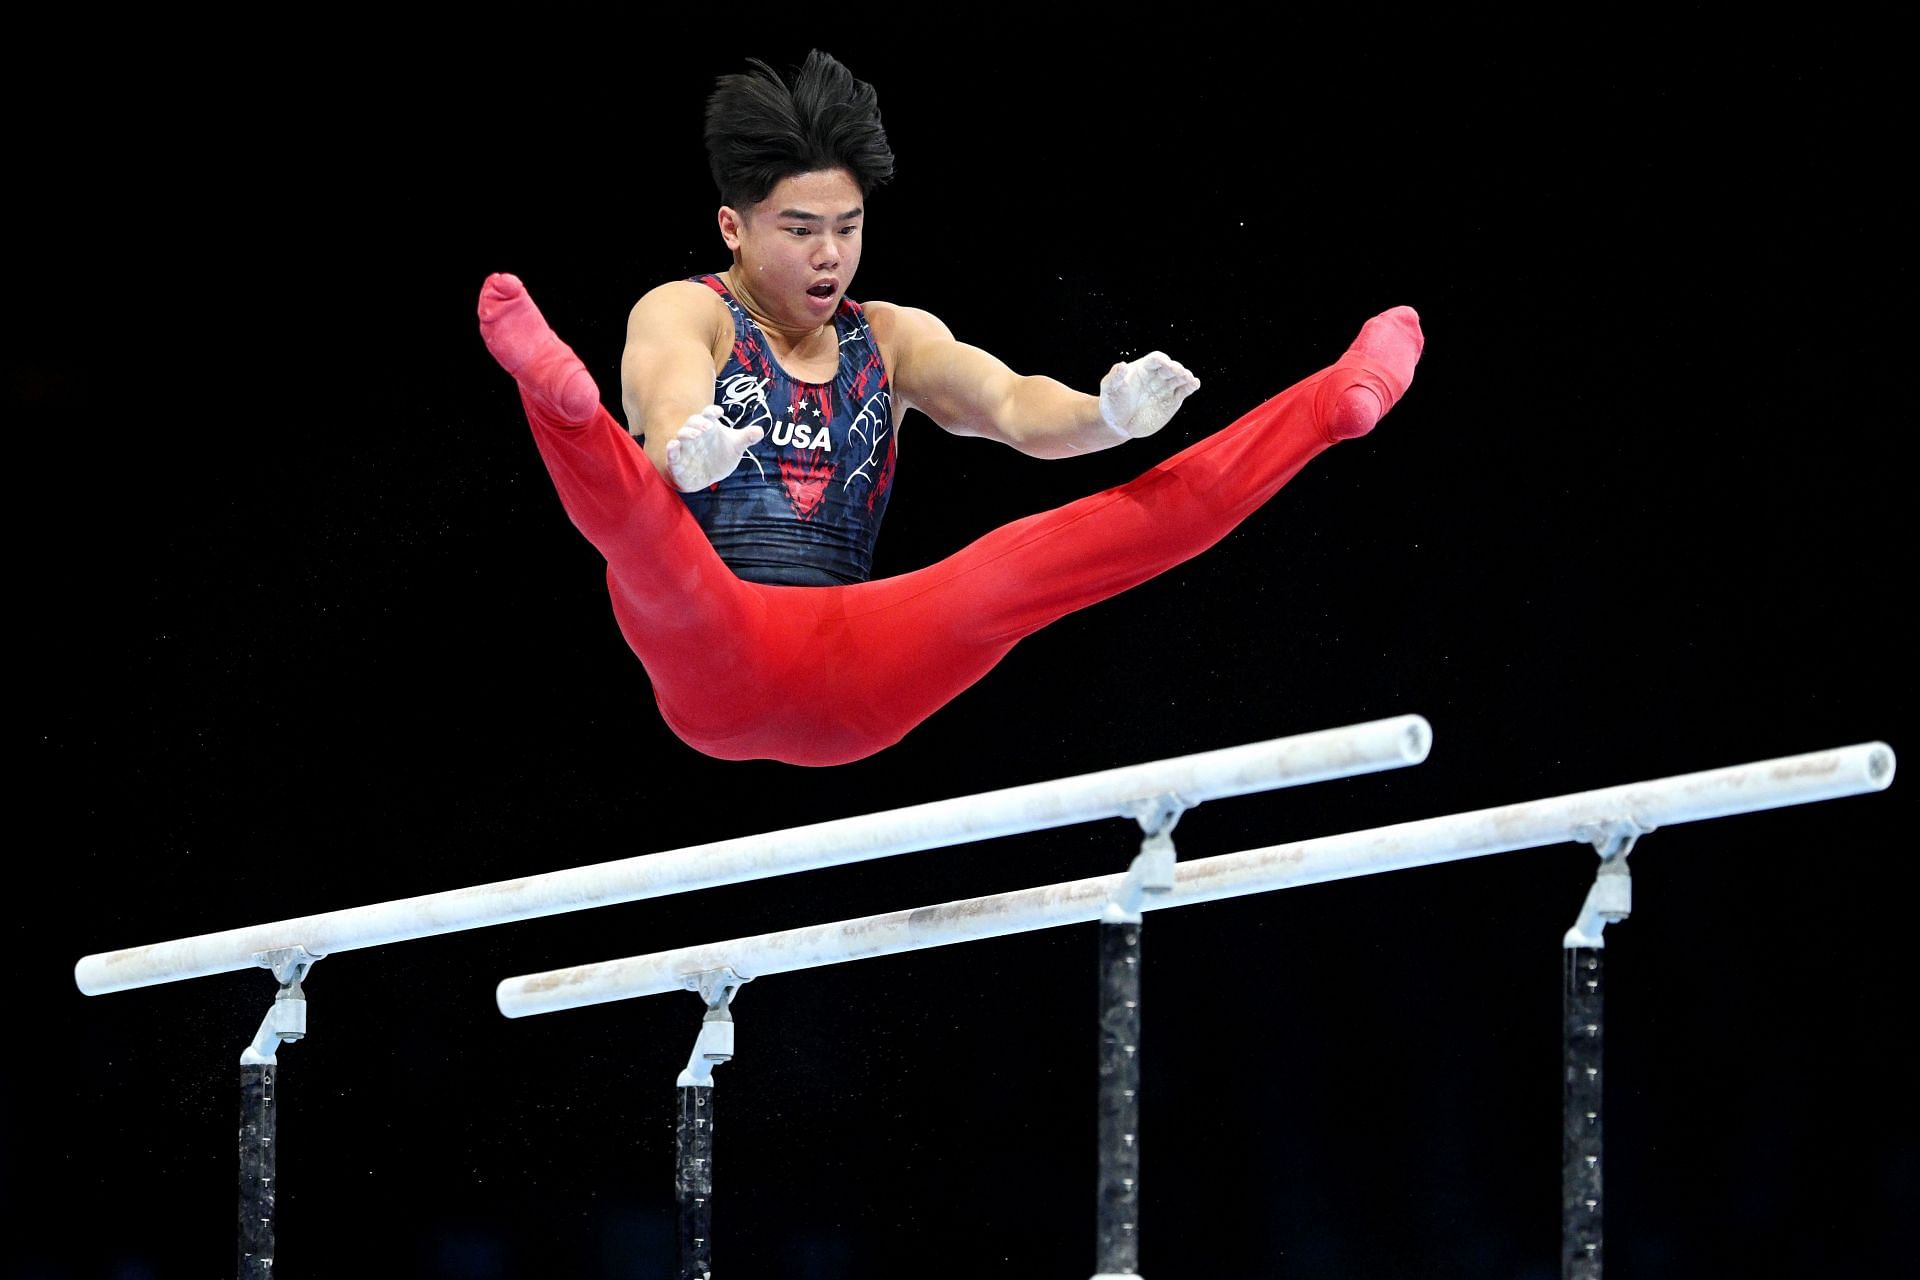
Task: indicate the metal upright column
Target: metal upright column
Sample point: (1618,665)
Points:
(1119,1245)
(1580,1222)
(693,1134)
(1609,901)
(285,1022)
(255,1256)
(1117,1242)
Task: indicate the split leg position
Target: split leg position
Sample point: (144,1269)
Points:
(827,675)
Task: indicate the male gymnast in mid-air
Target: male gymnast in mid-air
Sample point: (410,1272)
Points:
(738,517)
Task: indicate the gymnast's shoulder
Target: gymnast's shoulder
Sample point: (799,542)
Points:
(904,332)
(677,313)
(676,303)
(892,322)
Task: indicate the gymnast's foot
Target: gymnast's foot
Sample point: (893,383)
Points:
(545,367)
(1390,343)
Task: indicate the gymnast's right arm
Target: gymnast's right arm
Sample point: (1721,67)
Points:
(666,385)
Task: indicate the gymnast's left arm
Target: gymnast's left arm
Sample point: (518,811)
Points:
(970,392)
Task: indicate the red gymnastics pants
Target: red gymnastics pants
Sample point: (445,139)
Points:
(737,666)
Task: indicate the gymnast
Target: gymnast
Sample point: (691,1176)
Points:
(738,517)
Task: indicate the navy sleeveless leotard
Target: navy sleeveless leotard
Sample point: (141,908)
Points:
(804,505)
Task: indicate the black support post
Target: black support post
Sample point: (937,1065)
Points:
(1119,1244)
(1581,1175)
(693,1181)
(256,1172)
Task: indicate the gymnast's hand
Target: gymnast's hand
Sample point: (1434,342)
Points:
(1138,398)
(706,450)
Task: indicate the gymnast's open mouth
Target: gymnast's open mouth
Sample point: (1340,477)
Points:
(825,289)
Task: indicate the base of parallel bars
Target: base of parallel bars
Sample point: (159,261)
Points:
(693,1181)
(1580,1231)
(254,1254)
(1117,1238)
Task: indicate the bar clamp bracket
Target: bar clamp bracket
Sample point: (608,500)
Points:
(714,1044)
(1610,900)
(1151,872)
(286,1020)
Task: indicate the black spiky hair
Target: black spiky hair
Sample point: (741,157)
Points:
(762,128)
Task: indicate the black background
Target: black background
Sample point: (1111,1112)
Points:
(304,627)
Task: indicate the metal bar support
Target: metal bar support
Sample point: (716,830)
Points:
(286,1022)
(1609,901)
(693,1133)
(1117,1243)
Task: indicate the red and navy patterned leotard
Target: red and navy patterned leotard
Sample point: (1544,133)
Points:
(804,506)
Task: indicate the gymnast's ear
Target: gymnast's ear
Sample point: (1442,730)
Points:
(731,220)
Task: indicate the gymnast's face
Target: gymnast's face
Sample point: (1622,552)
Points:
(794,253)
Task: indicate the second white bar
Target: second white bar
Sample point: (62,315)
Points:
(1766,784)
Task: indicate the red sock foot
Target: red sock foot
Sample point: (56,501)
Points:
(545,367)
(1382,357)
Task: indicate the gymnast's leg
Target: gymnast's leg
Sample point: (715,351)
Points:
(931,633)
(1033,571)
(693,624)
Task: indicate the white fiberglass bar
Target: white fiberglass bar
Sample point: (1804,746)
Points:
(1210,775)
(1768,784)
